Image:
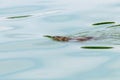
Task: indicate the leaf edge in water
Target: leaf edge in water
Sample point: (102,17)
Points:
(97,47)
(103,23)
(118,25)
(16,17)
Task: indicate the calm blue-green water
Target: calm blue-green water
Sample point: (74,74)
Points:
(26,55)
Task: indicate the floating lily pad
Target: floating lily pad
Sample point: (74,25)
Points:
(15,17)
(103,23)
(97,47)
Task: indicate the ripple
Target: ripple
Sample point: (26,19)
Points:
(30,45)
(61,18)
(114,64)
(37,14)
(4,28)
(21,9)
(9,66)
(103,35)
(21,35)
(56,68)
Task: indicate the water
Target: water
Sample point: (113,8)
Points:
(26,55)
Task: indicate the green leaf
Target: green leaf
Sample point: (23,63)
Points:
(15,17)
(96,47)
(103,23)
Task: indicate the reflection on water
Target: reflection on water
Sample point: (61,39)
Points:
(61,18)
(9,66)
(26,55)
(29,45)
(4,28)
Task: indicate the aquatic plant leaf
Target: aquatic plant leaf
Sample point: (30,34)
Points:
(118,25)
(103,23)
(96,47)
(15,17)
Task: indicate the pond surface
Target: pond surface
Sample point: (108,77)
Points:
(26,55)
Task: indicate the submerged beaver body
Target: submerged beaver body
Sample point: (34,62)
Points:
(99,36)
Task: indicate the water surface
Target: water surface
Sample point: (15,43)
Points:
(26,55)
